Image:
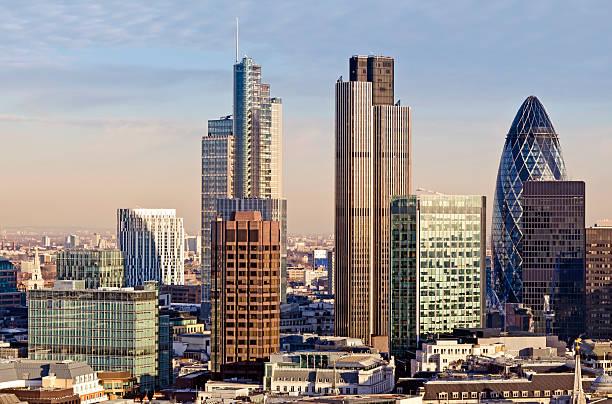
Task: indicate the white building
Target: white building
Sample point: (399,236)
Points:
(317,373)
(152,242)
(443,355)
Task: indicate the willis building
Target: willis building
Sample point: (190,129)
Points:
(372,164)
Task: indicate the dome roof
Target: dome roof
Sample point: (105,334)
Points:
(603,384)
(531,118)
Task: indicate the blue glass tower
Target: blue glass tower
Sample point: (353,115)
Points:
(531,153)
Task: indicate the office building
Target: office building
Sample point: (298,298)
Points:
(437,267)
(531,153)
(258,134)
(377,70)
(152,243)
(46,241)
(111,330)
(272,210)
(554,256)
(223,126)
(245,290)
(372,164)
(599,282)
(98,268)
(217,182)
(10,296)
(185,294)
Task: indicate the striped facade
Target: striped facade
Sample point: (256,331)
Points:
(392,167)
(153,246)
(372,165)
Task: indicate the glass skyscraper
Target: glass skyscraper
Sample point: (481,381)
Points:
(258,133)
(437,266)
(531,153)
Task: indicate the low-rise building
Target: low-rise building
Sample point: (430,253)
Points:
(318,373)
(597,354)
(536,388)
(117,384)
(193,346)
(442,355)
(315,317)
(450,352)
(52,376)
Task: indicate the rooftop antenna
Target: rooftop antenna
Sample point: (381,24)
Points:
(236,39)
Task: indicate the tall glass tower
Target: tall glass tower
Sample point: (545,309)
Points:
(531,153)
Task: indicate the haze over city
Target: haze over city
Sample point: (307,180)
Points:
(103,106)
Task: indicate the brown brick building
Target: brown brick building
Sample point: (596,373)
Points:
(245,284)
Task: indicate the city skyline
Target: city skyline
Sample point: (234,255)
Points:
(109,98)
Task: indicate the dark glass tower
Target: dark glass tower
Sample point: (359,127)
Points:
(531,153)
(554,256)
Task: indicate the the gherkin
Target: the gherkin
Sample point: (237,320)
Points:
(531,153)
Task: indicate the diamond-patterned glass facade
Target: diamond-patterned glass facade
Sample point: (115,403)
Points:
(531,153)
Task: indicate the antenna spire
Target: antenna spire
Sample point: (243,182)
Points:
(236,39)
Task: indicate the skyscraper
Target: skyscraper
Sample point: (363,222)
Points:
(531,153)
(153,246)
(554,256)
(274,210)
(372,164)
(217,182)
(245,314)
(258,133)
(599,282)
(437,267)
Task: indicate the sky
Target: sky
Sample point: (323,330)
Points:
(103,105)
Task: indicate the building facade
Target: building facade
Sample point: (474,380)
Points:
(258,133)
(372,164)
(554,256)
(437,267)
(153,245)
(322,373)
(245,311)
(599,282)
(98,268)
(274,210)
(10,296)
(114,330)
(217,182)
(531,153)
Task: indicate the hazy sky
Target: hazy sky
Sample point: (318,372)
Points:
(103,106)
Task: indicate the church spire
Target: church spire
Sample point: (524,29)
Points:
(578,396)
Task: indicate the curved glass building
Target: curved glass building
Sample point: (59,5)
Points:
(531,153)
